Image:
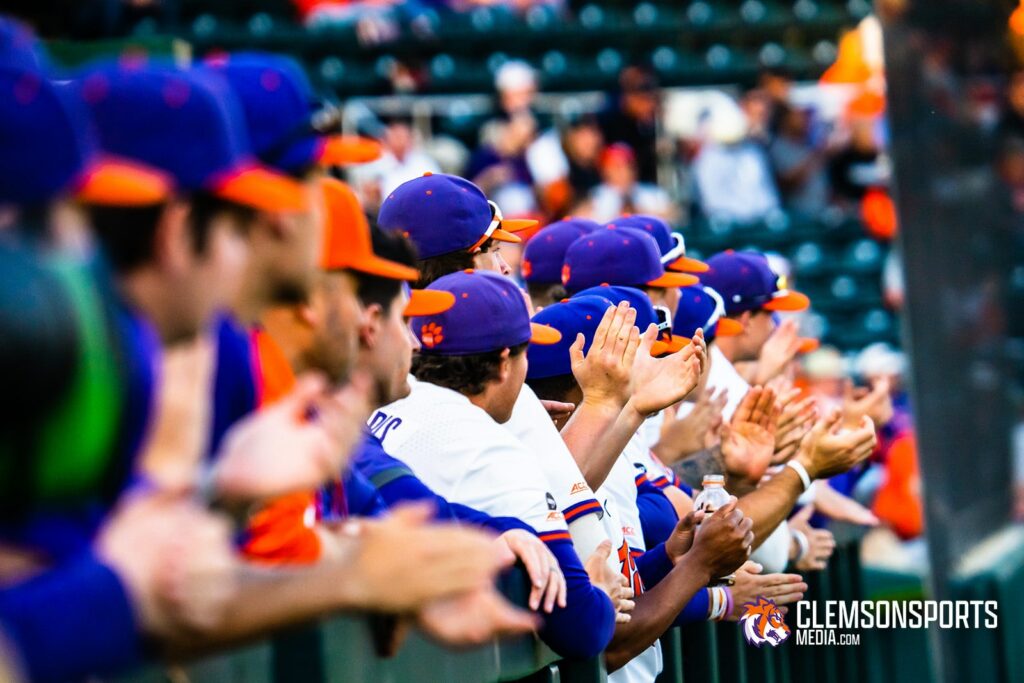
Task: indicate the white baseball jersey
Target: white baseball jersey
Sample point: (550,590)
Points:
(723,375)
(619,492)
(461,453)
(531,424)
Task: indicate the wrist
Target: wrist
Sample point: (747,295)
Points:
(693,565)
(632,412)
(804,458)
(605,404)
(801,471)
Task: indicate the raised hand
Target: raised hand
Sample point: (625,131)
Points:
(840,508)
(685,436)
(603,374)
(829,449)
(548,582)
(820,542)
(473,618)
(778,351)
(723,541)
(558,410)
(433,561)
(658,383)
(750,584)
(681,539)
(795,420)
(875,403)
(315,428)
(612,582)
(748,439)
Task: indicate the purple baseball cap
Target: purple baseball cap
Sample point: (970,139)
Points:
(50,150)
(578,315)
(443,213)
(670,243)
(545,252)
(489,314)
(702,307)
(288,126)
(646,315)
(188,124)
(618,256)
(746,283)
(20,47)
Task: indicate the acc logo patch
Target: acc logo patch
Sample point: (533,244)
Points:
(579,487)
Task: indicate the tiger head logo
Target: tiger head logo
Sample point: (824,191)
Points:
(762,623)
(430,335)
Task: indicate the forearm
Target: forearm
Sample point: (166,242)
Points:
(585,434)
(770,504)
(655,612)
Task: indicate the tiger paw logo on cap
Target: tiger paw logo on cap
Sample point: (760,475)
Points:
(526,268)
(762,623)
(565,273)
(430,335)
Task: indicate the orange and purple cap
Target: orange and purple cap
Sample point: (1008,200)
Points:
(671,243)
(189,125)
(489,314)
(747,283)
(348,245)
(647,314)
(618,256)
(702,307)
(443,213)
(50,150)
(289,128)
(545,252)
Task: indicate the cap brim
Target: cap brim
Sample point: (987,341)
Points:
(671,345)
(518,224)
(381,267)
(263,189)
(339,150)
(685,264)
(790,301)
(115,182)
(674,280)
(727,327)
(428,302)
(545,335)
(503,236)
(808,344)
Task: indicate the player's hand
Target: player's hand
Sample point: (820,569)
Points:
(401,562)
(547,581)
(681,539)
(316,428)
(723,541)
(176,560)
(613,583)
(875,403)
(473,618)
(748,439)
(820,542)
(750,584)
(604,372)
(685,436)
(829,449)
(795,421)
(658,383)
(558,410)
(781,347)
(839,507)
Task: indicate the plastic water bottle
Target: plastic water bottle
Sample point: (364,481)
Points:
(710,499)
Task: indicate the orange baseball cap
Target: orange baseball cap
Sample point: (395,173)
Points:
(348,245)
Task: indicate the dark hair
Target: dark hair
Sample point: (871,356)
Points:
(546,290)
(466,374)
(438,266)
(373,289)
(126,233)
(555,388)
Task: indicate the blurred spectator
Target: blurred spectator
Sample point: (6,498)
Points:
(632,119)
(582,143)
(565,166)
(799,165)
(499,165)
(861,164)
(825,372)
(621,193)
(776,83)
(1011,124)
(516,85)
(760,112)
(1010,168)
(375,22)
(403,159)
(733,178)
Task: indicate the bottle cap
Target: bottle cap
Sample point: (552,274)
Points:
(714,480)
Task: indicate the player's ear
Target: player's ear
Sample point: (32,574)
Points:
(172,240)
(371,324)
(744,319)
(505,365)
